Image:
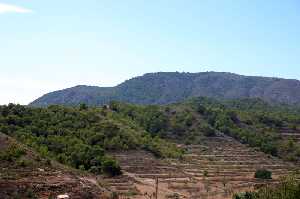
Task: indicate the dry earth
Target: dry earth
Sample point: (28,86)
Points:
(215,169)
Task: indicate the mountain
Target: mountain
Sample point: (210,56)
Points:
(170,87)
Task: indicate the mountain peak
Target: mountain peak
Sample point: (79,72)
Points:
(170,87)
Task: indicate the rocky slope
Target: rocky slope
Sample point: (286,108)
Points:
(170,87)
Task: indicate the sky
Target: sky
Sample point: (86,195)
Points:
(51,45)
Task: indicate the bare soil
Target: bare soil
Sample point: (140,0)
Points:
(42,179)
(215,169)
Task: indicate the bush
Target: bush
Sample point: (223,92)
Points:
(81,167)
(247,195)
(83,107)
(288,188)
(111,167)
(30,194)
(12,152)
(24,163)
(208,131)
(205,173)
(95,169)
(263,174)
(114,195)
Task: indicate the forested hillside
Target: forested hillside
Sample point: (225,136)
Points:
(26,174)
(95,139)
(170,87)
(80,136)
(251,121)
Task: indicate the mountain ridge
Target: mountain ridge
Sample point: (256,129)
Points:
(171,87)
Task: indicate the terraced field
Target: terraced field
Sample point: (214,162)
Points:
(287,133)
(214,169)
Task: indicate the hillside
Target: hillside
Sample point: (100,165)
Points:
(45,152)
(80,136)
(273,129)
(170,87)
(25,174)
(189,145)
(216,168)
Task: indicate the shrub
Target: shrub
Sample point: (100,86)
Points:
(12,152)
(95,169)
(30,194)
(208,131)
(48,162)
(205,173)
(81,167)
(83,107)
(114,195)
(288,188)
(111,167)
(263,174)
(247,195)
(23,163)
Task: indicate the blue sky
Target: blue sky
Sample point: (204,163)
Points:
(50,45)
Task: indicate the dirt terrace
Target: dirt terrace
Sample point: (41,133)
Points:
(288,133)
(214,169)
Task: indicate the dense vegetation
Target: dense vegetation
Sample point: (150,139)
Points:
(254,122)
(80,136)
(263,174)
(12,153)
(179,122)
(289,188)
(251,121)
(166,88)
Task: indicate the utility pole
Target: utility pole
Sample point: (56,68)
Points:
(156,188)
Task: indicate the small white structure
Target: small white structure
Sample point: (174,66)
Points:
(64,196)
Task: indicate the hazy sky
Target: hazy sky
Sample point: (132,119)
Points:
(50,45)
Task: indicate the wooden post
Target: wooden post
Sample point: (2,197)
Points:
(156,188)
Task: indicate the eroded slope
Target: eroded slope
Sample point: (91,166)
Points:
(24,174)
